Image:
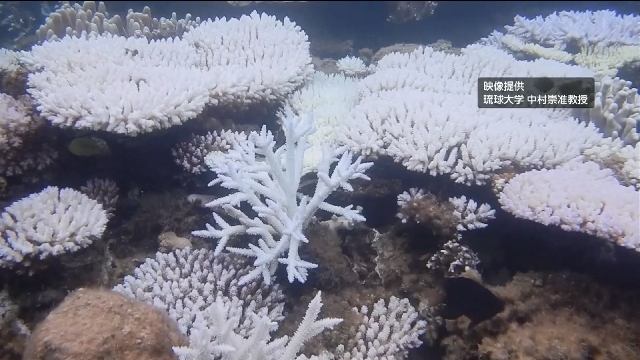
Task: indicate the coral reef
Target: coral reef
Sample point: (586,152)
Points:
(271,188)
(480,233)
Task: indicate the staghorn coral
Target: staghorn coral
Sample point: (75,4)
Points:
(268,179)
(214,335)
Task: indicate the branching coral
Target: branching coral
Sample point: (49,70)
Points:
(49,223)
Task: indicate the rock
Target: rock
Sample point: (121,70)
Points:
(102,324)
(169,241)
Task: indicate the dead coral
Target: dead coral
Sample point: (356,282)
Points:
(160,212)
(548,336)
(552,317)
(324,248)
(14,83)
(104,191)
(427,210)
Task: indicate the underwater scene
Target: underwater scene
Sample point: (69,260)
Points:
(315,180)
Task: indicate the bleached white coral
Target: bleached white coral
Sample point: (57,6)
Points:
(268,179)
(624,161)
(564,28)
(577,197)
(453,259)
(387,332)
(516,45)
(267,57)
(213,335)
(190,154)
(132,86)
(185,282)
(420,111)
(117,84)
(228,321)
(351,65)
(616,109)
(49,223)
(607,60)
(9,61)
(405,198)
(329,99)
(68,20)
(602,41)
(470,215)
(16,121)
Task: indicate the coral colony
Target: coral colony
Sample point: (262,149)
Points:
(571,168)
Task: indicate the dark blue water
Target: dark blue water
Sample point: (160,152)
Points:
(365,22)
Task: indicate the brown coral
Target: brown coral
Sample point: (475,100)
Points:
(426,209)
(102,324)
